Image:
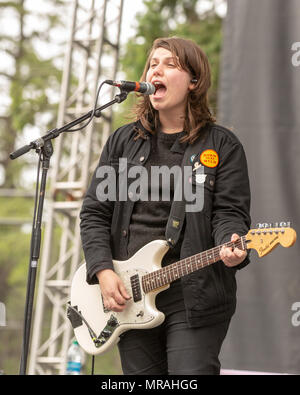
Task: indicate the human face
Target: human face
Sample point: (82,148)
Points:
(173,83)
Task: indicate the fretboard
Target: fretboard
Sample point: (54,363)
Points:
(170,273)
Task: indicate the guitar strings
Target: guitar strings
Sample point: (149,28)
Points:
(167,274)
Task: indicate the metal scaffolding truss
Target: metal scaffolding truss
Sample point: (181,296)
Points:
(91,56)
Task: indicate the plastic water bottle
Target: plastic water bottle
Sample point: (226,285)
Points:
(75,359)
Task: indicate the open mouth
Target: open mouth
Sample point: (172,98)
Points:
(160,89)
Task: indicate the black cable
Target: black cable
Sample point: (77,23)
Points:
(36,196)
(93,112)
(93,365)
(91,332)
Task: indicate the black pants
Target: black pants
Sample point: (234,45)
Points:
(173,348)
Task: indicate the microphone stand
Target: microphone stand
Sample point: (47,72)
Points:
(44,148)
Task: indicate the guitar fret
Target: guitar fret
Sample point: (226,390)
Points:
(189,268)
(180,267)
(177,274)
(184,266)
(160,280)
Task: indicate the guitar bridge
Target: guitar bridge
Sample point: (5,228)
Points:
(136,288)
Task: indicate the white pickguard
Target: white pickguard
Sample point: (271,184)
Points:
(137,315)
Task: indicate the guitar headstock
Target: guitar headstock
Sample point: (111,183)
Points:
(265,240)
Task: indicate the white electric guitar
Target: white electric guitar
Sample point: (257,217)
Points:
(98,329)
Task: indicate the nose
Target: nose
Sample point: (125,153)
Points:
(158,70)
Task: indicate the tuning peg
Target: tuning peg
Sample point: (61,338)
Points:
(265,225)
(282,224)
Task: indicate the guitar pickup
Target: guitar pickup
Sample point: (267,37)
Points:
(136,288)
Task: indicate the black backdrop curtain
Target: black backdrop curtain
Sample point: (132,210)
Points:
(259,100)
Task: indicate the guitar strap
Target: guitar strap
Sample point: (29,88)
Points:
(177,212)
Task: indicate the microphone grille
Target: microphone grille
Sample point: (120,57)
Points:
(150,88)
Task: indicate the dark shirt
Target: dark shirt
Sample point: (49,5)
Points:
(149,218)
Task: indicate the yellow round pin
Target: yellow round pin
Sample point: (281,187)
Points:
(209,158)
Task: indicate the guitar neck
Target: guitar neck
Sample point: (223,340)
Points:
(170,273)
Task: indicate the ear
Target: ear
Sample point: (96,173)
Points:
(192,84)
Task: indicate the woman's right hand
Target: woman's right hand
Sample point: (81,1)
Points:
(113,290)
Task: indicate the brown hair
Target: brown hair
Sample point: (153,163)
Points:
(193,60)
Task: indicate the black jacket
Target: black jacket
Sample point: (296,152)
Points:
(210,293)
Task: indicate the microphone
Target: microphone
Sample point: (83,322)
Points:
(129,86)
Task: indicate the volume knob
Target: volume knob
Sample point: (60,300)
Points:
(106,333)
(112,321)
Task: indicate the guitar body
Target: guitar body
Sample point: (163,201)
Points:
(97,329)
(140,314)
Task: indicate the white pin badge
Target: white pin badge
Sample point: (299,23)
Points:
(200,178)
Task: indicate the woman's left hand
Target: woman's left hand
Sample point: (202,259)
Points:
(232,257)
